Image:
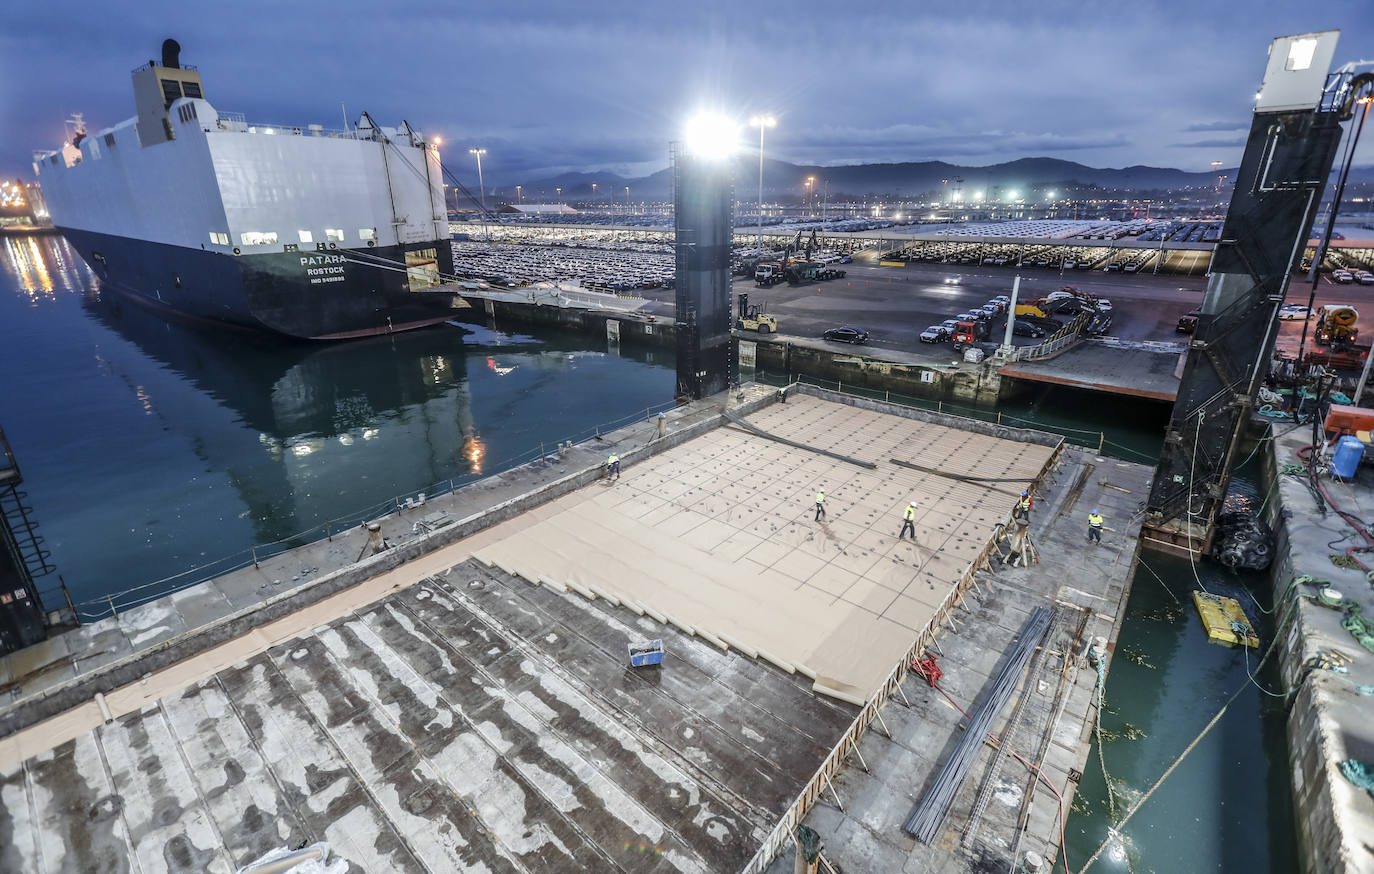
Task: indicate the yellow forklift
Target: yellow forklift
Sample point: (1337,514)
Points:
(752,318)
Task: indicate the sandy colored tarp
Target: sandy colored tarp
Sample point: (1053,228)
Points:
(718,535)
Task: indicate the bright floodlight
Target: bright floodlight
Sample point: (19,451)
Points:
(762,121)
(711,136)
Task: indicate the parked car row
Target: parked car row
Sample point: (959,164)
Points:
(516,264)
(1345,276)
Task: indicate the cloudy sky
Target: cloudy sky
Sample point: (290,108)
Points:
(552,85)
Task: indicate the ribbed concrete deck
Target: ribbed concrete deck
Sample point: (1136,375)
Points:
(470,723)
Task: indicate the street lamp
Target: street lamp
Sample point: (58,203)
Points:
(627,199)
(481,188)
(762,122)
(519,198)
(810,192)
(593,192)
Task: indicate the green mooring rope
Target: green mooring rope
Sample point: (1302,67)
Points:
(1359,773)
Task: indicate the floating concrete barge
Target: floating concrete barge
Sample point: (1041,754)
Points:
(462,701)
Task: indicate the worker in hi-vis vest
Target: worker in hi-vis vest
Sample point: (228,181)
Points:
(1094,528)
(820,505)
(1024,505)
(613,466)
(908,521)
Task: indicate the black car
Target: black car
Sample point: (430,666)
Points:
(1026,329)
(845,335)
(1188,322)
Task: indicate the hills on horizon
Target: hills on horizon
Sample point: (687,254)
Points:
(1031,177)
(906,179)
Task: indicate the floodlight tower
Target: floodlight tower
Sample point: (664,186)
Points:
(703,202)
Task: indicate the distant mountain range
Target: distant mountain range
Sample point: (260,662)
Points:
(909,179)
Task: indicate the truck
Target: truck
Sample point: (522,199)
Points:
(970,332)
(768,273)
(1336,325)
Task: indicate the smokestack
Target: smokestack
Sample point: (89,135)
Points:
(171,54)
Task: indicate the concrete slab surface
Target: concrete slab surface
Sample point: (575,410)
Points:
(719,535)
(1136,369)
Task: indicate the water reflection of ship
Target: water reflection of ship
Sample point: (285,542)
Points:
(385,413)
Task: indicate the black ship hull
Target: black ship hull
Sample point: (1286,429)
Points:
(316,294)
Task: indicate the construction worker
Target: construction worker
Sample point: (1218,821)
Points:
(1095,528)
(909,521)
(1023,506)
(613,466)
(820,505)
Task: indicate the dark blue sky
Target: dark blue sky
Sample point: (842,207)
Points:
(547,86)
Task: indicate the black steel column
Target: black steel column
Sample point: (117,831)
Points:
(1287,161)
(703,201)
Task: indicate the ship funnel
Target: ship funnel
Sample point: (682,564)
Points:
(171,53)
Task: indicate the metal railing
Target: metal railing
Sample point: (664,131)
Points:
(114,603)
(1062,339)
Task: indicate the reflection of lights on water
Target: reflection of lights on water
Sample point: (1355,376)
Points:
(474,450)
(144,398)
(369,433)
(496,368)
(346,439)
(302,449)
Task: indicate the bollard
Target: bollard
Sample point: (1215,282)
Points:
(254,547)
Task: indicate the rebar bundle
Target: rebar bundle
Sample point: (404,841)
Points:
(928,815)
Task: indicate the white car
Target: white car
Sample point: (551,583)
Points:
(1342,276)
(952,280)
(1104,305)
(1293,313)
(935,334)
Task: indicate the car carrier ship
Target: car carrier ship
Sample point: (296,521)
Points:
(308,232)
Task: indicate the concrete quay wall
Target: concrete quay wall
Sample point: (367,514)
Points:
(1328,719)
(880,370)
(632,328)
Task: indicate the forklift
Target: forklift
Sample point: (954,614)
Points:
(752,318)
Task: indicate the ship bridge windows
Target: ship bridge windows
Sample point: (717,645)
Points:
(187,112)
(334,235)
(191,89)
(109,141)
(306,236)
(258,238)
(219,239)
(171,90)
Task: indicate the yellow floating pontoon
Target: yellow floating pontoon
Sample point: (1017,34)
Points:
(1224,620)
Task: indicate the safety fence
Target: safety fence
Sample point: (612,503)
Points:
(114,603)
(1096,440)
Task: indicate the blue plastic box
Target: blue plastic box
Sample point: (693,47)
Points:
(1349,451)
(645,652)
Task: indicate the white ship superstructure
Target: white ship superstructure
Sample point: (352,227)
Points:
(305,231)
